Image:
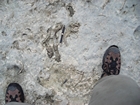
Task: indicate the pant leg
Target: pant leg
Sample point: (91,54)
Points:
(116,90)
(16,103)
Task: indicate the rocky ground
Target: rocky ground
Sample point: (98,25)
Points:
(63,73)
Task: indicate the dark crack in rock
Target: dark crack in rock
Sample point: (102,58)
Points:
(137,33)
(49,98)
(70,9)
(15,44)
(3,33)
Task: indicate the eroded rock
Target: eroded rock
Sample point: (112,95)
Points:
(70,9)
(137,33)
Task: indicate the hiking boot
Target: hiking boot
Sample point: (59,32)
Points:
(111,61)
(14,93)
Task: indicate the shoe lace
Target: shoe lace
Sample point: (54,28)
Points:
(110,68)
(113,65)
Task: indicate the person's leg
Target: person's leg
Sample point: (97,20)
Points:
(114,89)
(14,95)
